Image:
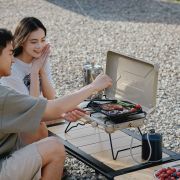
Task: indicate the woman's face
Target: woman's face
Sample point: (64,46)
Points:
(34,44)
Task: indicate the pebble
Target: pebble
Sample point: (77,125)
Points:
(178,133)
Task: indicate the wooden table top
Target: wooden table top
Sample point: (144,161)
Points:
(95,142)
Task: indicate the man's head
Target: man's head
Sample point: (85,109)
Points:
(6,52)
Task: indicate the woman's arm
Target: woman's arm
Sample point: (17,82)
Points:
(38,65)
(47,89)
(34,83)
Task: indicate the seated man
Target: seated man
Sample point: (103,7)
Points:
(43,159)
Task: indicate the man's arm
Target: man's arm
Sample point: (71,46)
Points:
(55,108)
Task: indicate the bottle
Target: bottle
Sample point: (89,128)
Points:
(155,140)
(90,72)
(87,71)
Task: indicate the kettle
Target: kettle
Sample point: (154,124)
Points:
(90,72)
(155,141)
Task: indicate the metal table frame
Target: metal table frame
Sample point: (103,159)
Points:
(106,171)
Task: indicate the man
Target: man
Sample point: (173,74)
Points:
(43,159)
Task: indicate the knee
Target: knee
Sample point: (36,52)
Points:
(57,147)
(51,149)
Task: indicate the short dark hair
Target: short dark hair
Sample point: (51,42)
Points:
(5,37)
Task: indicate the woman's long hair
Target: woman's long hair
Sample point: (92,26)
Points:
(22,31)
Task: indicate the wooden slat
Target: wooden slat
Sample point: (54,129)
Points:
(95,138)
(76,132)
(79,133)
(107,154)
(102,146)
(123,160)
(62,127)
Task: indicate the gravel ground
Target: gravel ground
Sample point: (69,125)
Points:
(81,30)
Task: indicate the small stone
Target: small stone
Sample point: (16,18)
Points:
(178,133)
(178,122)
(166,145)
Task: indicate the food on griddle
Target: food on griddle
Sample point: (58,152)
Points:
(113,112)
(116,110)
(138,106)
(133,109)
(110,107)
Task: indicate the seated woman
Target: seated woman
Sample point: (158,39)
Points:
(31,70)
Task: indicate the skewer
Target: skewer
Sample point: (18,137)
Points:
(118,79)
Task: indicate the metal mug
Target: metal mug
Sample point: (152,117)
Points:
(90,72)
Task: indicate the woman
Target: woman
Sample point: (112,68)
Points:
(31,70)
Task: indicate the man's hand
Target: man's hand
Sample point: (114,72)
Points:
(74,115)
(101,82)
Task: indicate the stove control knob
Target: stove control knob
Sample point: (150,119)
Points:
(109,129)
(94,124)
(130,125)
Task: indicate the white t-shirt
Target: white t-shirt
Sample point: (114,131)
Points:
(19,80)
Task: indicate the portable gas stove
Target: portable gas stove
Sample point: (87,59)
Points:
(112,115)
(127,102)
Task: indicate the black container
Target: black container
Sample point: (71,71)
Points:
(156,145)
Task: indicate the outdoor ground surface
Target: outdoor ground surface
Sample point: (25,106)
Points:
(80,30)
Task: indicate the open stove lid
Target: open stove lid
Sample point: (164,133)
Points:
(134,80)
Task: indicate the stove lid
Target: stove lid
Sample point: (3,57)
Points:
(134,80)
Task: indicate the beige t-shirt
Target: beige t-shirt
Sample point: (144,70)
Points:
(18,113)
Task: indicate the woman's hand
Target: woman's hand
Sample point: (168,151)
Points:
(74,115)
(39,63)
(101,82)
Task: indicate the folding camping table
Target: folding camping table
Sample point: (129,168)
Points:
(91,146)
